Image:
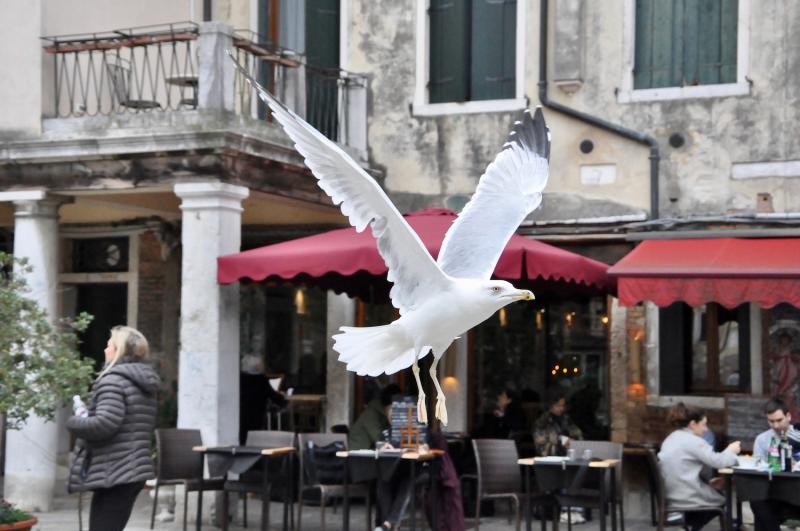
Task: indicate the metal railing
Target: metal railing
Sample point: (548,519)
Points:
(151,68)
(157,68)
(318,95)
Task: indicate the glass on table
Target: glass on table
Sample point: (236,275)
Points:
(587,455)
(571,454)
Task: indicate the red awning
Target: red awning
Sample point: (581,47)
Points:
(730,271)
(344,260)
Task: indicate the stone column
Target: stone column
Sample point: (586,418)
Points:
(208,364)
(215,68)
(339,386)
(208,370)
(30,470)
(453,377)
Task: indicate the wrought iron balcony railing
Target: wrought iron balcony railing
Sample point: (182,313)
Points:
(160,68)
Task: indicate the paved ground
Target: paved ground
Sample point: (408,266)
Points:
(65,518)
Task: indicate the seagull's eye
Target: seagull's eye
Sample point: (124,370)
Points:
(495,289)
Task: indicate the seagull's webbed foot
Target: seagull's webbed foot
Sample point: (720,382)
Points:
(441,409)
(422,410)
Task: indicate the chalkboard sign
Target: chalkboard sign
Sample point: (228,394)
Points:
(745,418)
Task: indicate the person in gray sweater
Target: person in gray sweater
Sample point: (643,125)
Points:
(686,461)
(113,452)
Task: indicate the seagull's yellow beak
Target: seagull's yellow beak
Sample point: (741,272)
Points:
(524,295)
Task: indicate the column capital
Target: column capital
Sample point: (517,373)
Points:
(34,203)
(213,195)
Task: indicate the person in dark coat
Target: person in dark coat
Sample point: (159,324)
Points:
(369,426)
(506,418)
(114,455)
(451,508)
(255,394)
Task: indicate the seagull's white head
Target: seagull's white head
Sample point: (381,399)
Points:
(501,293)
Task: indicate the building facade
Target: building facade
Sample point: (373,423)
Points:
(132,156)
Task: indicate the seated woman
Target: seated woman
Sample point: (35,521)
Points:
(686,461)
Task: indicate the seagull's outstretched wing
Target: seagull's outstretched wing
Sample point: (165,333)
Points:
(411,268)
(510,189)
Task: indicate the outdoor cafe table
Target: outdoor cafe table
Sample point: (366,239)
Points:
(364,465)
(757,485)
(239,459)
(573,474)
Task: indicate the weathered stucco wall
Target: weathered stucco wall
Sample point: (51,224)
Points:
(446,154)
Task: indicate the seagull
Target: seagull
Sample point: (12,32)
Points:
(439,299)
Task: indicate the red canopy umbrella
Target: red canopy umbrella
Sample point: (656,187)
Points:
(347,261)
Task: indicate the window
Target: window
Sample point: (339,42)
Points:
(685,43)
(676,49)
(469,56)
(472,51)
(704,349)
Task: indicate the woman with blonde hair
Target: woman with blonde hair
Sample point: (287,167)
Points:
(114,457)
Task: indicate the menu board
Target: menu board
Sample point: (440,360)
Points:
(745,418)
(407,432)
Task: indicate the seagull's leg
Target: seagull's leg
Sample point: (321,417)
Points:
(422,412)
(441,407)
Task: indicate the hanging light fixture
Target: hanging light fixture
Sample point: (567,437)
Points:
(300,301)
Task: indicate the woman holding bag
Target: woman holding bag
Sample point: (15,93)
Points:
(114,456)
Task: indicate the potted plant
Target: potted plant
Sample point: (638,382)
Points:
(14,519)
(40,366)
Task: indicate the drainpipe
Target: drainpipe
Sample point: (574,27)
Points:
(636,136)
(206,10)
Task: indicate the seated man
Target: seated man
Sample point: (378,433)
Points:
(770,514)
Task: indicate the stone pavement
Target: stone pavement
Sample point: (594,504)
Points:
(65,518)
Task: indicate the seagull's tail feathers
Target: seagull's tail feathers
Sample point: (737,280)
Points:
(373,350)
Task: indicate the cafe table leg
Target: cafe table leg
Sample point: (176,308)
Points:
(265,488)
(527,498)
(603,504)
(434,494)
(199,522)
(729,501)
(413,495)
(613,497)
(346,508)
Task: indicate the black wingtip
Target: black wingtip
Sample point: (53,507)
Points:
(532,133)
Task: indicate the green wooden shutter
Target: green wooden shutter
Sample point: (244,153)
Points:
(322,56)
(659,43)
(449,50)
(493,49)
(685,42)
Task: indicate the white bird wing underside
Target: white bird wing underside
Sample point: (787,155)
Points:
(412,270)
(509,190)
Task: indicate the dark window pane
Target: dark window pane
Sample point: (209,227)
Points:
(449,50)
(493,57)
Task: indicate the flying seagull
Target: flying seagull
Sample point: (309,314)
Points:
(438,300)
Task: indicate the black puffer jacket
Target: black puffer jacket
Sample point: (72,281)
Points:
(113,446)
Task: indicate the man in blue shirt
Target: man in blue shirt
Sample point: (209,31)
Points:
(769,514)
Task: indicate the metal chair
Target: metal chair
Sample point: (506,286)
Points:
(661,498)
(119,75)
(177,464)
(251,481)
(326,492)
(498,475)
